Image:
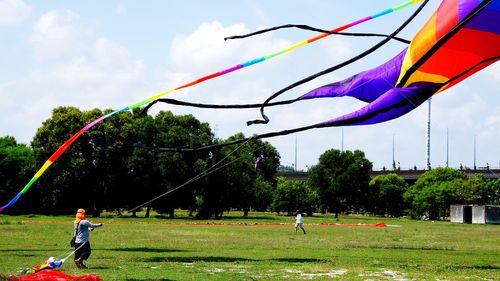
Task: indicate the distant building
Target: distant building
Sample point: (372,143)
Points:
(480,214)
(461,213)
(486,214)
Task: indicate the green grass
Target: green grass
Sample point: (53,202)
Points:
(261,247)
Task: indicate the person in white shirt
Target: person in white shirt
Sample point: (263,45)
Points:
(298,222)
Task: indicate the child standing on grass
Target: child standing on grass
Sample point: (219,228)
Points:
(298,222)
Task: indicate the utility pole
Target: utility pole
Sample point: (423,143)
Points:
(295,152)
(447,147)
(429,137)
(342,139)
(474,152)
(393,161)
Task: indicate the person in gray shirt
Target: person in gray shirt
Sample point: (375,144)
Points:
(83,227)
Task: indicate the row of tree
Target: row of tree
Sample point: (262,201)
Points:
(340,183)
(115,166)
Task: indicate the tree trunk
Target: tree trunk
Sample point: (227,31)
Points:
(148,209)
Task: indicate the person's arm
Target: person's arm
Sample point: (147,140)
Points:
(91,225)
(95,225)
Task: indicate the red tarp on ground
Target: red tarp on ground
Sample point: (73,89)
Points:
(54,275)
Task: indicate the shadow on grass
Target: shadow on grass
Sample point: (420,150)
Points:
(196,259)
(27,253)
(300,260)
(229,259)
(99,267)
(144,250)
(480,267)
(30,250)
(397,247)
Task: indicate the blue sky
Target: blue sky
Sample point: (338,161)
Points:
(110,54)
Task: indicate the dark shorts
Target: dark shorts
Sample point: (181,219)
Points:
(83,252)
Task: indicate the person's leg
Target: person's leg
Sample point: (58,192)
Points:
(86,251)
(303,229)
(78,255)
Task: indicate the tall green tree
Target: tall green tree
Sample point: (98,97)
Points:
(111,149)
(232,184)
(341,180)
(492,194)
(71,182)
(434,191)
(16,169)
(242,182)
(144,172)
(481,191)
(176,168)
(388,191)
(291,196)
(263,194)
(265,160)
(93,173)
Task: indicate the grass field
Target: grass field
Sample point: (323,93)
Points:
(261,247)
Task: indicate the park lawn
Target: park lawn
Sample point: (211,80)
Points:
(261,247)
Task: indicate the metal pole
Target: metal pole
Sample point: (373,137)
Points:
(447,148)
(429,137)
(393,161)
(295,152)
(474,152)
(342,139)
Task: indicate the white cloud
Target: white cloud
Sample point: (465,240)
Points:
(13,12)
(78,69)
(58,34)
(491,125)
(77,57)
(120,9)
(115,59)
(106,69)
(205,48)
(494,71)
(337,49)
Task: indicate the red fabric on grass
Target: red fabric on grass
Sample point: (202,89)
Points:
(54,275)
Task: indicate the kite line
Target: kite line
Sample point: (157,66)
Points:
(214,168)
(71,140)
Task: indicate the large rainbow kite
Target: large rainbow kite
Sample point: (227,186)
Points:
(467,29)
(460,38)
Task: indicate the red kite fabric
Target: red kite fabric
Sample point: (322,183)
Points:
(54,275)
